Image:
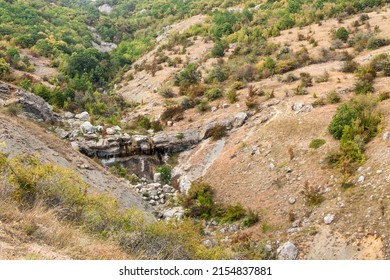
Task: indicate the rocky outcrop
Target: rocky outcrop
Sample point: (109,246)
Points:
(33,106)
(117,144)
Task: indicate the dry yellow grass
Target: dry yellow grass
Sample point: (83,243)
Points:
(38,234)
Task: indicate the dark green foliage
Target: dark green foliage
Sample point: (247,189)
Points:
(375,43)
(316,143)
(213,93)
(342,34)
(199,200)
(345,115)
(250,219)
(349,66)
(365,76)
(384,96)
(143,122)
(189,75)
(218,50)
(199,203)
(165,171)
(306,79)
(231,214)
(219,72)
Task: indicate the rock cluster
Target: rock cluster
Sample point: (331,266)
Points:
(155,193)
(89,140)
(300,107)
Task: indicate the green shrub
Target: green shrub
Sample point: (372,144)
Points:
(375,43)
(319,102)
(119,170)
(165,171)
(199,200)
(213,93)
(203,106)
(232,214)
(166,92)
(143,122)
(345,115)
(250,219)
(316,143)
(342,34)
(218,50)
(188,76)
(364,87)
(231,96)
(349,66)
(333,97)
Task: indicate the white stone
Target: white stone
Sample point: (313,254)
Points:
(361,179)
(83,116)
(328,219)
(110,131)
(87,127)
(68,115)
(157,177)
(386,135)
(292,200)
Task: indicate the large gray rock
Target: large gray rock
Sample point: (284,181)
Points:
(287,251)
(62,133)
(87,128)
(175,142)
(4,91)
(36,108)
(239,119)
(68,115)
(83,116)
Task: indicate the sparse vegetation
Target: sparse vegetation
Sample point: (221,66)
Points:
(317,143)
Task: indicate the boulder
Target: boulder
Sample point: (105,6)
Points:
(83,116)
(4,91)
(87,128)
(61,133)
(239,119)
(386,135)
(68,115)
(36,108)
(287,251)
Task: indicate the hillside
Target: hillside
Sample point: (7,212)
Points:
(239,126)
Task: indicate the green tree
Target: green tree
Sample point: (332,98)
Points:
(342,34)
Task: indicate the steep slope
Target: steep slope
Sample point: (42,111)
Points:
(266,164)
